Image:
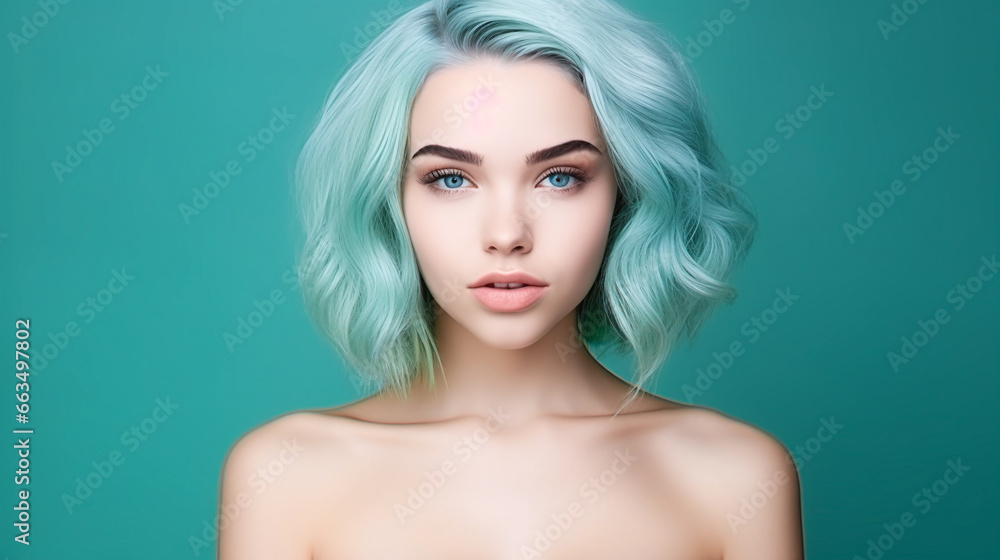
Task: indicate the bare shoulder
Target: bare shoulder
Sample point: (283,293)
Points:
(727,441)
(743,478)
(299,441)
(268,480)
(287,433)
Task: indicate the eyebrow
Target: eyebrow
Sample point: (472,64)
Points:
(531,159)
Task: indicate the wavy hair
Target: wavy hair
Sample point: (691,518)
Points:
(679,230)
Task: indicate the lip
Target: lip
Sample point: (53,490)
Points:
(508,300)
(507,277)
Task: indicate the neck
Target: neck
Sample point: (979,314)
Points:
(555,376)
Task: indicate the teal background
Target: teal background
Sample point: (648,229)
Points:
(162,336)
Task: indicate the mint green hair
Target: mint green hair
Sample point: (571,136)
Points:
(679,230)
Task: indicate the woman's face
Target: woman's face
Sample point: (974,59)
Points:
(507,172)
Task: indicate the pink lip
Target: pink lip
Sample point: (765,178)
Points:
(507,277)
(508,299)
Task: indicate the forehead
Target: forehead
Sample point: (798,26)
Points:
(497,107)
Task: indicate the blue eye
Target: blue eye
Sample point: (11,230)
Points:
(451,182)
(444,181)
(559,179)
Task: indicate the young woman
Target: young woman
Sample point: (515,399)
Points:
(495,189)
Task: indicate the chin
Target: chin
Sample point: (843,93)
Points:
(513,342)
(507,334)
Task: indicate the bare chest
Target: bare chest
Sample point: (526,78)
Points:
(478,496)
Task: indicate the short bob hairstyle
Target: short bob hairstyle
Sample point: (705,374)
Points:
(679,230)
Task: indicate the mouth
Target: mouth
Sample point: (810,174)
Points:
(507,280)
(508,297)
(508,291)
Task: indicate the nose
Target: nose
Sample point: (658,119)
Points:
(506,225)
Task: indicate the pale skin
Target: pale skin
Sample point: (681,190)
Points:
(516,453)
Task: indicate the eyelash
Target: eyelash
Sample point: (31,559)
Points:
(582,178)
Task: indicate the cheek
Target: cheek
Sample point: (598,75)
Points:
(581,229)
(432,238)
(579,238)
(592,243)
